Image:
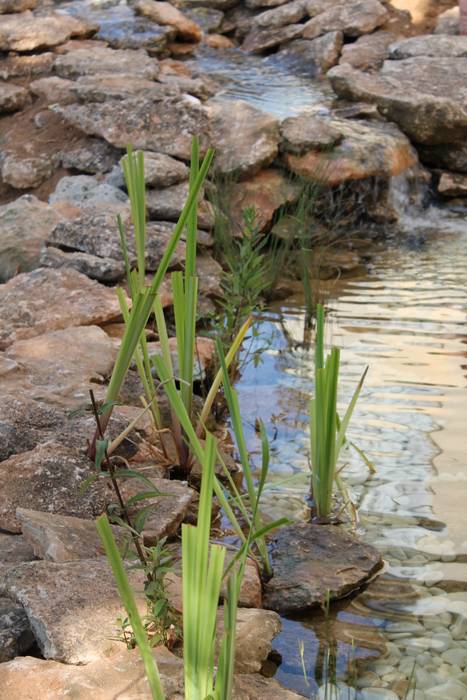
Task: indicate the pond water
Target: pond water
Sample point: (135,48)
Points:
(405,317)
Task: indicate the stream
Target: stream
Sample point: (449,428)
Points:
(405,318)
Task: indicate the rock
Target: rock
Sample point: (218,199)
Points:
(207,18)
(139,33)
(429,45)
(377,694)
(119,676)
(369,51)
(27,32)
(260,4)
(25,172)
(86,190)
(167,205)
(352,19)
(218,41)
(72,607)
(89,61)
(255,631)
(312,561)
(165,13)
(448,22)
(104,270)
(260,40)
(24,227)
(452,690)
(14,549)
(213,4)
(312,56)
(96,233)
(165,126)
(452,185)
(53,89)
(105,88)
(251,591)
(48,478)
(12,97)
(30,304)
(305,132)
(266,192)
(209,274)
(245,138)
(16,636)
(162,171)
(452,156)
(7,6)
(14,66)
(290,13)
(256,687)
(367,149)
(422,95)
(90,156)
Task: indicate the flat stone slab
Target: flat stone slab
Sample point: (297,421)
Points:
(100,59)
(311,562)
(27,32)
(72,607)
(164,125)
(353,19)
(44,300)
(49,478)
(429,45)
(425,96)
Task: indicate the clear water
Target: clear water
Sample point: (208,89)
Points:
(406,318)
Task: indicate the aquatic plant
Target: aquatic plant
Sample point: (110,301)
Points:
(327,430)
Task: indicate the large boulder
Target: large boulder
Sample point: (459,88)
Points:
(47,300)
(353,19)
(425,96)
(245,138)
(165,125)
(24,227)
(312,563)
(28,32)
(366,149)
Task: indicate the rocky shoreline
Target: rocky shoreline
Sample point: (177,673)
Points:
(73,94)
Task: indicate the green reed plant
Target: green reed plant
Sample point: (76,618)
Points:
(327,430)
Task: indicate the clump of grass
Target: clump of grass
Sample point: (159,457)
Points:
(327,430)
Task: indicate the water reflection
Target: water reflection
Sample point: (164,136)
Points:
(406,319)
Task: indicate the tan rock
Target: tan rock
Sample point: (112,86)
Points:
(369,51)
(101,59)
(261,40)
(166,14)
(9,6)
(305,132)
(46,300)
(255,631)
(162,171)
(219,41)
(28,32)
(453,185)
(353,19)
(12,97)
(53,89)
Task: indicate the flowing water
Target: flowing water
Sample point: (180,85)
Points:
(404,317)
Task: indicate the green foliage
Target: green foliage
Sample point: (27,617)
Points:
(327,430)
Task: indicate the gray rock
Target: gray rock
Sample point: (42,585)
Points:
(162,171)
(424,96)
(140,33)
(167,204)
(16,635)
(25,172)
(104,88)
(90,156)
(448,22)
(353,19)
(86,190)
(260,4)
(12,97)
(290,13)
(48,478)
(14,549)
(54,89)
(27,32)
(369,51)
(72,607)
(99,59)
(306,132)
(104,270)
(96,233)
(313,56)
(201,87)
(209,273)
(25,225)
(311,562)
(452,156)
(9,6)
(165,126)
(30,304)
(429,45)
(26,66)
(245,138)
(257,687)
(214,4)
(118,676)
(207,18)
(260,40)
